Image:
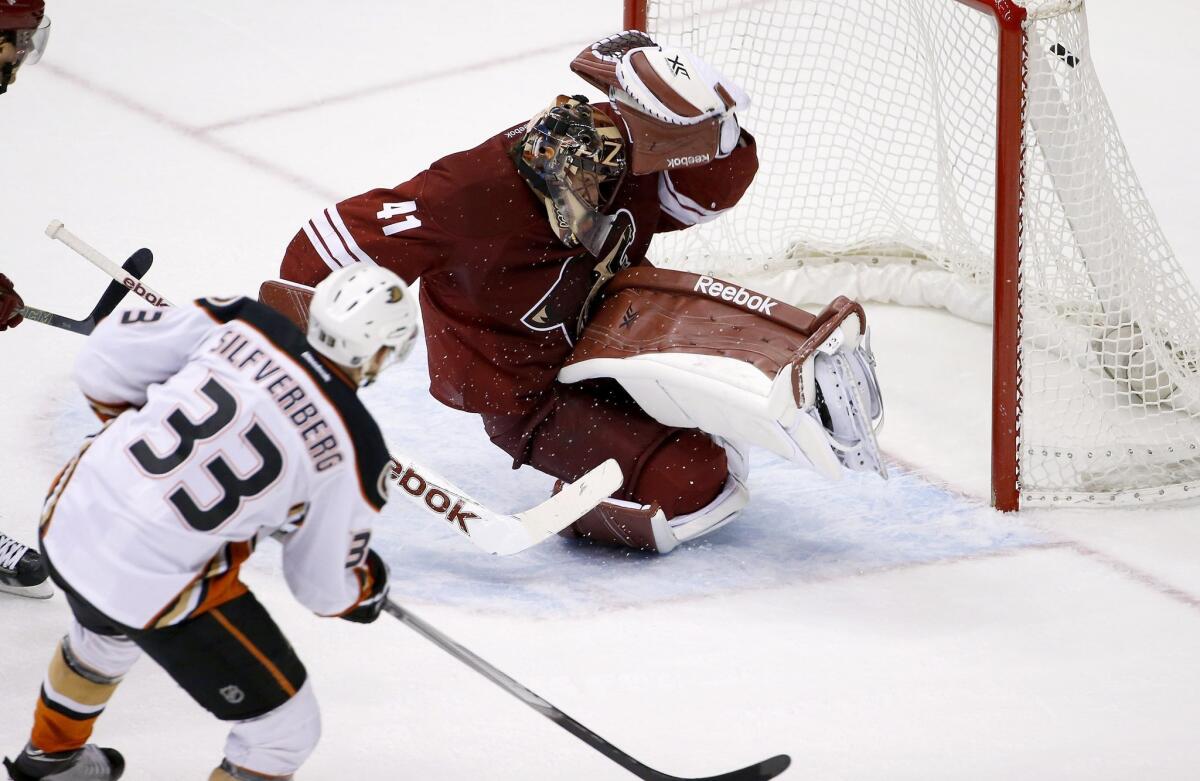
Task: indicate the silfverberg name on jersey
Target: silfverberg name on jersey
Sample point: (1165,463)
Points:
(241,352)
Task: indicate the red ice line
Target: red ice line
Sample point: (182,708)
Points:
(378,89)
(1135,574)
(205,134)
(183,129)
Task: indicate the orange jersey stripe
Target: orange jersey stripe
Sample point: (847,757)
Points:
(279,677)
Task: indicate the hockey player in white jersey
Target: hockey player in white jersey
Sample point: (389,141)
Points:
(226,425)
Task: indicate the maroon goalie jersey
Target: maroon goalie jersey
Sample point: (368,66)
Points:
(501,295)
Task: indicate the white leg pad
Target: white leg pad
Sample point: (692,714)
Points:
(277,743)
(107,657)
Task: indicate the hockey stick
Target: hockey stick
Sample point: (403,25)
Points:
(136,266)
(497,533)
(759,771)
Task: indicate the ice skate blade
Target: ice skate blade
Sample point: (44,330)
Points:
(43,590)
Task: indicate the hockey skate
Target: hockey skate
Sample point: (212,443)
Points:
(90,763)
(850,406)
(21,570)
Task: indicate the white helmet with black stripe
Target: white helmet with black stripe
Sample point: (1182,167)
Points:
(362,317)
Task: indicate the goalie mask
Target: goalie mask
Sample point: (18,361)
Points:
(679,110)
(574,157)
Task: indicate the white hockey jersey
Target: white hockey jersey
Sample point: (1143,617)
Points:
(232,430)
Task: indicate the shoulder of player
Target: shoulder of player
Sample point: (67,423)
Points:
(371,463)
(477,193)
(370,456)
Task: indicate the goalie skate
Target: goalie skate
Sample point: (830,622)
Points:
(850,406)
(21,570)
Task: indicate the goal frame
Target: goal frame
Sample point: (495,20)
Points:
(1010,127)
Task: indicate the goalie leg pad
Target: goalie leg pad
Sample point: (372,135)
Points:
(695,352)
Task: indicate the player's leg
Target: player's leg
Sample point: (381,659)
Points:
(236,663)
(21,570)
(682,477)
(87,666)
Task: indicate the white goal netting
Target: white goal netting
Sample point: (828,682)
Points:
(877,124)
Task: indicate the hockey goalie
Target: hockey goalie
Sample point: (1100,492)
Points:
(543,316)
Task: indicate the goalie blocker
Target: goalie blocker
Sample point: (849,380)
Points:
(697,352)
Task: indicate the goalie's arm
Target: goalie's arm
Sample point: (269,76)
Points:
(693,196)
(396,228)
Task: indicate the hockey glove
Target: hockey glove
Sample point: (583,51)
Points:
(10,302)
(369,608)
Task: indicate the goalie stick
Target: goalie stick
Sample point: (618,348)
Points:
(136,267)
(759,771)
(497,533)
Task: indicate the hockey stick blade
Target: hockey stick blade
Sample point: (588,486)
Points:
(136,266)
(498,533)
(760,771)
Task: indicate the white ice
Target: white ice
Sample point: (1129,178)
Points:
(872,631)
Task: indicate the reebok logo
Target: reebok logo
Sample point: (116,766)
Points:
(676,162)
(436,500)
(755,302)
(141,292)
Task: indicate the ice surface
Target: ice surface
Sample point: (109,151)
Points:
(899,630)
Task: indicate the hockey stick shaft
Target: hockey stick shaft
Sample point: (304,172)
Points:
(36,315)
(57,231)
(496,533)
(757,772)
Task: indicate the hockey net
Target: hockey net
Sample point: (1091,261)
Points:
(909,149)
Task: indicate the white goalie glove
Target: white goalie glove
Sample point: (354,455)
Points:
(696,352)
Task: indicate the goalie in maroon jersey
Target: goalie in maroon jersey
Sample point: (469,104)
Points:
(517,241)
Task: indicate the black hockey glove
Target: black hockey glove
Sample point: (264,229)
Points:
(369,609)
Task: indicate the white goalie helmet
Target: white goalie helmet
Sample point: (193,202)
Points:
(358,311)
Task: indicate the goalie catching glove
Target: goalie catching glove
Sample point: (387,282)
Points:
(696,352)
